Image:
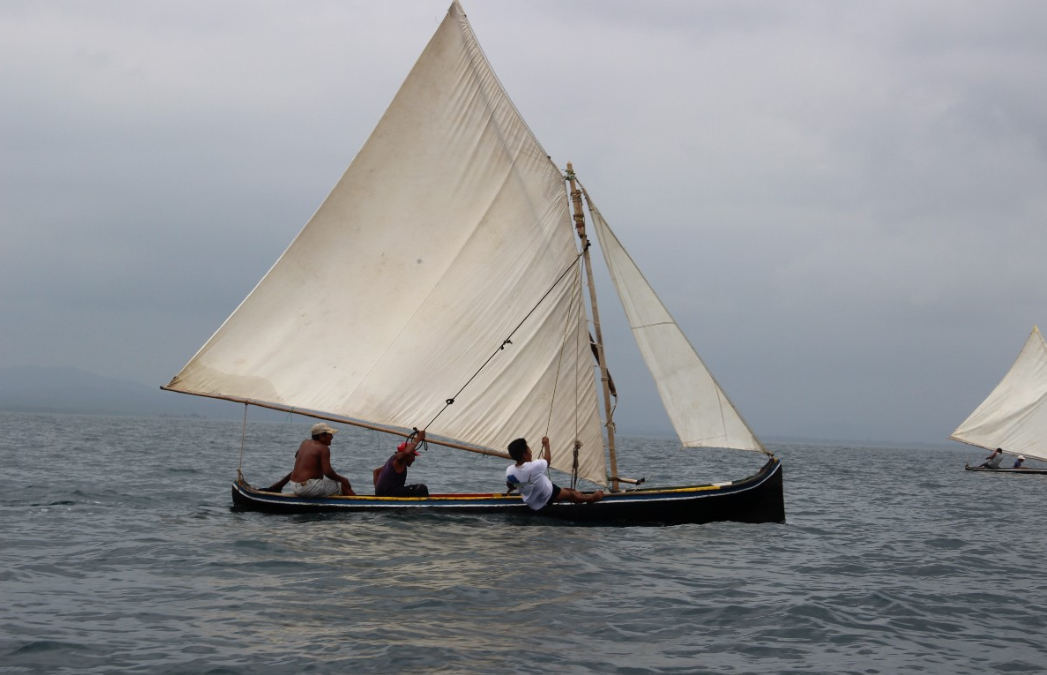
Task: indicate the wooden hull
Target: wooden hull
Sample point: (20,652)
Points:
(1002,470)
(757,499)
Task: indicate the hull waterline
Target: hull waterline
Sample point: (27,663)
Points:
(985,469)
(757,499)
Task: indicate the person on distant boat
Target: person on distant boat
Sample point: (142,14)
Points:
(528,476)
(1018,462)
(390,478)
(312,475)
(993,460)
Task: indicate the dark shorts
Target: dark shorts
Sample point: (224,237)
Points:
(418,490)
(553,496)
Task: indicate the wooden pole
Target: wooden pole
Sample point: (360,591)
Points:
(344,420)
(579,227)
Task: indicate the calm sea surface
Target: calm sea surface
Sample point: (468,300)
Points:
(119,554)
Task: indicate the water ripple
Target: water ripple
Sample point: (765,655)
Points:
(886,565)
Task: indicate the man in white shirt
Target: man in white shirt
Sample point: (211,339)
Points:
(528,476)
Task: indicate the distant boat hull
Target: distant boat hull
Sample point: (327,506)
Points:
(1001,470)
(757,499)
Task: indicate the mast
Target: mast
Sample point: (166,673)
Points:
(579,227)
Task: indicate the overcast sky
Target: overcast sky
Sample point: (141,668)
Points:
(844,204)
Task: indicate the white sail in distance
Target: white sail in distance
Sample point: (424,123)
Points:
(1014,415)
(437,245)
(697,406)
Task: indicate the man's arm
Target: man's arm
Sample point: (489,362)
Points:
(325,466)
(411,446)
(278,486)
(548,450)
(413,443)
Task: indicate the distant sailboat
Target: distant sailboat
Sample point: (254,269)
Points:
(440,281)
(1014,416)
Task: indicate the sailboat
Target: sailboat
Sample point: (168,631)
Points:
(1014,416)
(447,278)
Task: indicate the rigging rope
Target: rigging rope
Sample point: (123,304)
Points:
(243,441)
(559,362)
(556,384)
(508,341)
(574,465)
(577,442)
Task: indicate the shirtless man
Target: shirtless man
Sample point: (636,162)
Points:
(312,475)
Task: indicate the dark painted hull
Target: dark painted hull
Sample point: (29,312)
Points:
(757,499)
(1002,470)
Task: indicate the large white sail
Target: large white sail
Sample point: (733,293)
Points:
(1014,416)
(698,408)
(439,241)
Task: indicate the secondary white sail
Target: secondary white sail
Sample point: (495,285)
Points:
(437,244)
(698,408)
(1014,416)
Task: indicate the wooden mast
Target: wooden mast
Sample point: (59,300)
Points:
(579,227)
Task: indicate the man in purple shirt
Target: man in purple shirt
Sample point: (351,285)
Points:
(390,479)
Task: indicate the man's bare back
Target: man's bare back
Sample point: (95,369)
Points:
(313,460)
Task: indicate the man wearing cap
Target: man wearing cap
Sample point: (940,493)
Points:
(312,475)
(390,479)
(1018,462)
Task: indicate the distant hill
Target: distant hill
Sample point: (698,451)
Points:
(71,390)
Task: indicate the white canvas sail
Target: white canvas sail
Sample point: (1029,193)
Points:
(443,235)
(698,408)
(1014,416)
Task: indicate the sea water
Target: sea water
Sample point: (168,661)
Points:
(119,553)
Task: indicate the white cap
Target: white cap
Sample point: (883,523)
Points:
(322,428)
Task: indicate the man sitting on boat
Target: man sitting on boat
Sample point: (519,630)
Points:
(1018,462)
(312,475)
(993,460)
(390,479)
(528,476)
